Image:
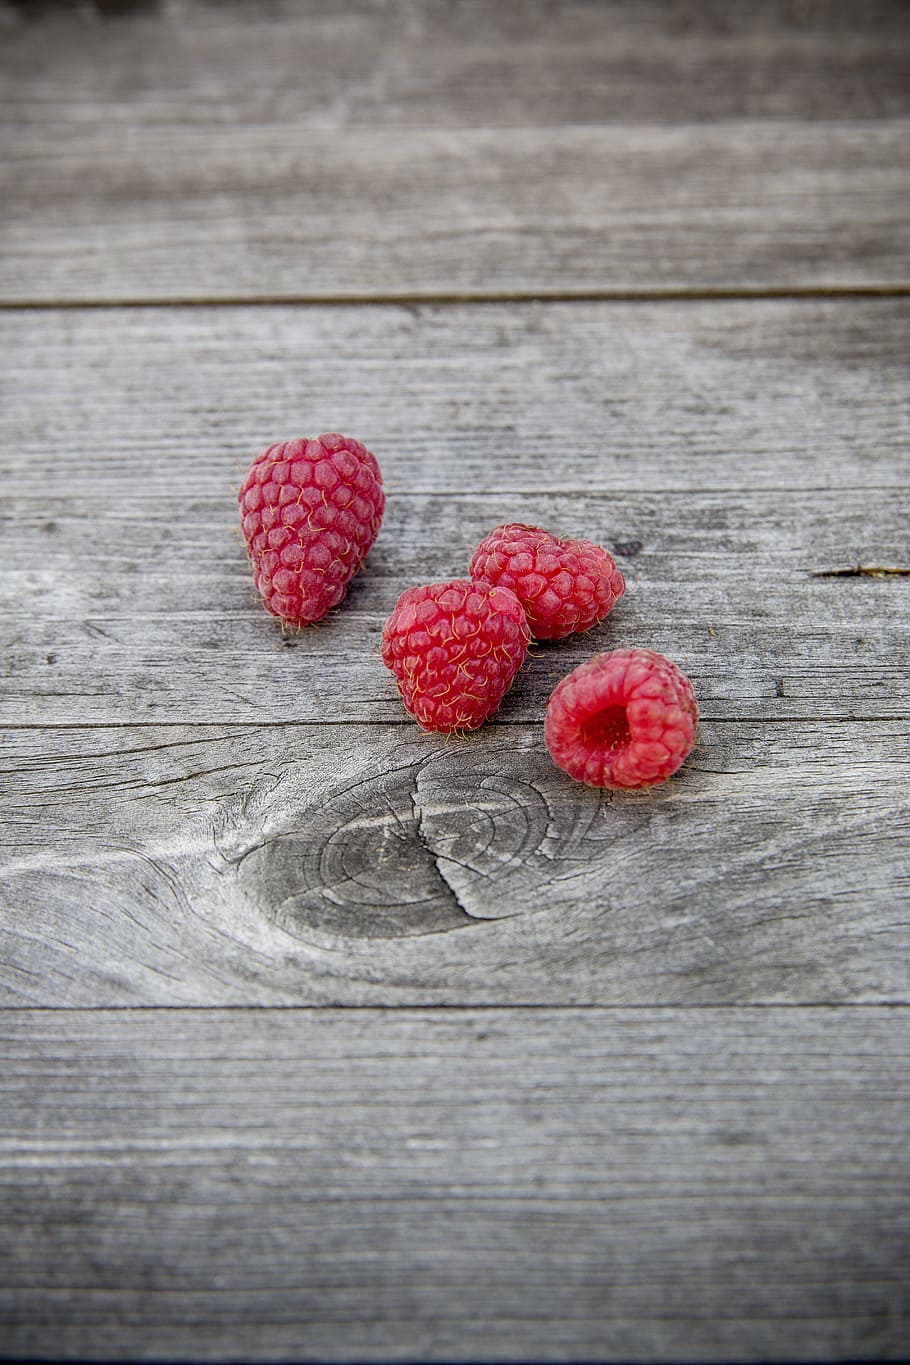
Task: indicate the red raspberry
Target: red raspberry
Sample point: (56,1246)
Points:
(310,510)
(564,585)
(455,649)
(625,719)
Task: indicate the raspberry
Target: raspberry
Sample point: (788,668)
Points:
(455,649)
(564,585)
(310,510)
(625,719)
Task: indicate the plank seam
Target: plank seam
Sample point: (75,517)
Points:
(744,293)
(404,722)
(539,1007)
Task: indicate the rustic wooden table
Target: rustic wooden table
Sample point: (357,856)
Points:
(325,1039)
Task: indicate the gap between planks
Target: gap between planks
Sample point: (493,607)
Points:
(403,723)
(411,300)
(453,1007)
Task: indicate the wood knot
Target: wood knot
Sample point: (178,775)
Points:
(448,840)
(350,866)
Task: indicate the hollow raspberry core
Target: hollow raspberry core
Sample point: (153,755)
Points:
(608,728)
(625,719)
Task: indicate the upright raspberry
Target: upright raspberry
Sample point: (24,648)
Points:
(625,719)
(310,510)
(564,585)
(455,649)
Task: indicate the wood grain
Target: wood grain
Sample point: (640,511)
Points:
(774,396)
(638,1185)
(617,1077)
(517,63)
(274,211)
(197,152)
(371,864)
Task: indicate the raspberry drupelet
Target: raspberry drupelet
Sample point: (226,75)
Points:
(309,511)
(564,585)
(454,649)
(625,719)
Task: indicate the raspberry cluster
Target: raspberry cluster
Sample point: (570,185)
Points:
(623,720)
(310,511)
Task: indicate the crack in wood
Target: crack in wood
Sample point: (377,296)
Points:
(864,571)
(435,861)
(354,866)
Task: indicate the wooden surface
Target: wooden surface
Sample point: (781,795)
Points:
(455,1184)
(421,148)
(327,1039)
(290,212)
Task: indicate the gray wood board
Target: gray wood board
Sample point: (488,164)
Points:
(275,211)
(446,1185)
(720,395)
(375,864)
(430,64)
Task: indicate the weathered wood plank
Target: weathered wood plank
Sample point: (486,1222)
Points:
(519,62)
(100,211)
(368,864)
(557,397)
(450,1185)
